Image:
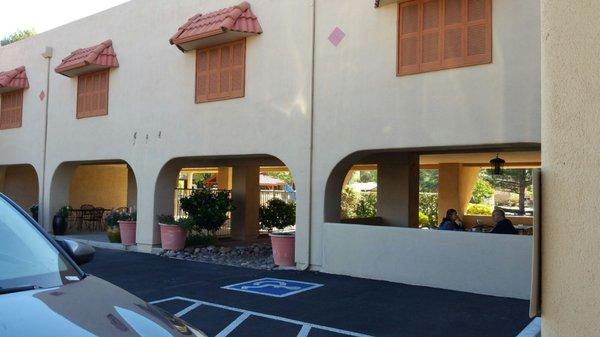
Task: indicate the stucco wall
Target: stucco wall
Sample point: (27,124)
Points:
(571,188)
(99,185)
(490,264)
(20,184)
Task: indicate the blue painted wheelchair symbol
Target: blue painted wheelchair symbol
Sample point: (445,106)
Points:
(273,287)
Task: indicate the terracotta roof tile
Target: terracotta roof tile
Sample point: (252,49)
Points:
(237,19)
(13,80)
(96,57)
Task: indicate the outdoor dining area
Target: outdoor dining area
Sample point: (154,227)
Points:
(88,218)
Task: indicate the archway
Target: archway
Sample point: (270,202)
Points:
(92,189)
(20,183)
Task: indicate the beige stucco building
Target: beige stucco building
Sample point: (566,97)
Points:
(327,86)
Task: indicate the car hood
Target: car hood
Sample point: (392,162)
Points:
(90,307)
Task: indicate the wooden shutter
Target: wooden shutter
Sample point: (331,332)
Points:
(442,34)
(220,72)
(11,110)
(92,94)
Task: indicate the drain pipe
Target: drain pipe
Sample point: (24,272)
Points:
(48,56)
(312,134)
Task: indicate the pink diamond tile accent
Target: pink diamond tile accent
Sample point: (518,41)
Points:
(336,36)
(42,95)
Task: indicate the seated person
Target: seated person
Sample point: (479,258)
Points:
(501,224)
(451,222)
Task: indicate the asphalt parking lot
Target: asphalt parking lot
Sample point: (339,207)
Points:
(332,305)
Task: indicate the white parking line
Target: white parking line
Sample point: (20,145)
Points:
(306,327)
(233,325)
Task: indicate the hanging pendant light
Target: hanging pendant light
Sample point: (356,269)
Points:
(497,165)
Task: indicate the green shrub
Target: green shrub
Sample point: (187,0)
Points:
(206,209)
(423,220)
(428,204)
(366,206)
(112,220)
(63,212)
(481,191)
(277,214)
(349,200)
(479,209)
(201,240)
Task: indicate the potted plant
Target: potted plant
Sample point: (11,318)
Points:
(34,211)
(127,227)
(279,214)
(173,233)
(59,222)
(112,227)
(206,209)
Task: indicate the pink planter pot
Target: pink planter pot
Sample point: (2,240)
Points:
(172,237)
(127,229)
(284,247)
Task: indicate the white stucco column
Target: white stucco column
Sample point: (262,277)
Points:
(246,199)
(131,188)
(398,190)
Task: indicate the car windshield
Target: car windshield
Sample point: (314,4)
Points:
(27,258)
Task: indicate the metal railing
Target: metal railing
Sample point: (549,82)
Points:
(225,230)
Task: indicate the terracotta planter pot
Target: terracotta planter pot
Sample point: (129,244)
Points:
(127,230)
(113,234)
(172,237)
(284,247)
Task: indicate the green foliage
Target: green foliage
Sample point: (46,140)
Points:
(349,201)
(34,208)
(277,214)
(479,209)
(428,181)
(366,206)
(200,178)
(112,220)
(481,191)
(166,219)
(423,220)
(63,212)
(206,209)
(201,240)
(428,205)
(16,36)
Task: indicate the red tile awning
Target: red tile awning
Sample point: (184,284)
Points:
(381,3)
(217,27)
(12,80)
(86,60)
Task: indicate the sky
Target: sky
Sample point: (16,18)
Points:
(43,15)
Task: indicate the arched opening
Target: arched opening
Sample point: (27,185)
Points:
(20,183)
(91,190)
(415,187)
(251,180)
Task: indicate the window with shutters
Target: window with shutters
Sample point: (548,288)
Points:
(443,34)
(11,109)
(220,72)
(92,94)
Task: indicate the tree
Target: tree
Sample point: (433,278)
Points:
(282,175)
(515,181)
(481,191)
(428,181)
(16,36)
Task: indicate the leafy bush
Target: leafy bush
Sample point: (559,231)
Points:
(479,209)
(423,220)
(63,212)
(277,214)
(428,204)
(201,240)
(112,220)
(206,209)
(481,191)
(349,200)
(367,206)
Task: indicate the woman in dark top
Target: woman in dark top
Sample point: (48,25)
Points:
(451,222)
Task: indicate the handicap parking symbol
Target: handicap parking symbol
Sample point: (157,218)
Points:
(273,287)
